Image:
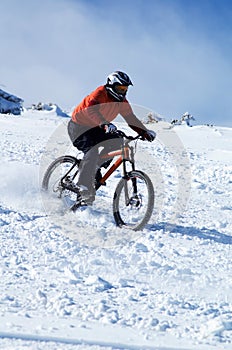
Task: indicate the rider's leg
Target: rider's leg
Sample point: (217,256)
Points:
(89,142)
(86,180)
(111,143)
(86,142)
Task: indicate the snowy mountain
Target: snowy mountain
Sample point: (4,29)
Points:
(49,107)
(79,282)
(10,103)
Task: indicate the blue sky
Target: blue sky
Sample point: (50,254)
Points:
(178,53)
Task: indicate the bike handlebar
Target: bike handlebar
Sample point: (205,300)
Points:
(128,137)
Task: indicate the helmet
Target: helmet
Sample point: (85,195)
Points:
(117,85)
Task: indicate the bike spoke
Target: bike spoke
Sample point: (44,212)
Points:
(134,201)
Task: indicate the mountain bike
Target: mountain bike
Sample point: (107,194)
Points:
(133,199)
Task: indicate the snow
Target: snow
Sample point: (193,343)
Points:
(76,281)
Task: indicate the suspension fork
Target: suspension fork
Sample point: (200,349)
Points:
(126,191)
(126,177)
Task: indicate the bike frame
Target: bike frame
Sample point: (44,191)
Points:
(126,153)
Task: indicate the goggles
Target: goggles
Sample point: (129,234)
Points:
(121,89)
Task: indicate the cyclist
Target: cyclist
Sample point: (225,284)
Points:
(90,128)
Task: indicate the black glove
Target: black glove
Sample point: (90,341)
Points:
(109,128)
(148,135)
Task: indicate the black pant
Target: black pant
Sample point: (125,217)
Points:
(89,140)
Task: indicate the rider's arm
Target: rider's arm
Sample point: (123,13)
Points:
(135,123)
(131,119)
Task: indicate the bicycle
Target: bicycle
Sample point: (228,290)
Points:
(133,199)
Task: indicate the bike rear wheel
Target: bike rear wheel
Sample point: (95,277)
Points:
(63,170)
(133,201)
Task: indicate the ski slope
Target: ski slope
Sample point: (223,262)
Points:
(76,281)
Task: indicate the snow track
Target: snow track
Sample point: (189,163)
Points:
(77,278)
(76,333)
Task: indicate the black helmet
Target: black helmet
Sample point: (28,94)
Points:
(117,85)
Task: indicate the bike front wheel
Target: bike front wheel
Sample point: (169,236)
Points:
(133,201)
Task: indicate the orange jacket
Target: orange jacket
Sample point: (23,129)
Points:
(98,108)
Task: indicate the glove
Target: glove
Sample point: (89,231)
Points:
(109,128)
(149,135)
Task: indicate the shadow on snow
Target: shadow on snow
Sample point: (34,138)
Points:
(202,233)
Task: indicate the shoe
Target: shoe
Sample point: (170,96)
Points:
(87,197)
(83,201)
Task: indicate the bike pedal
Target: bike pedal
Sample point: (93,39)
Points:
(74,207)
